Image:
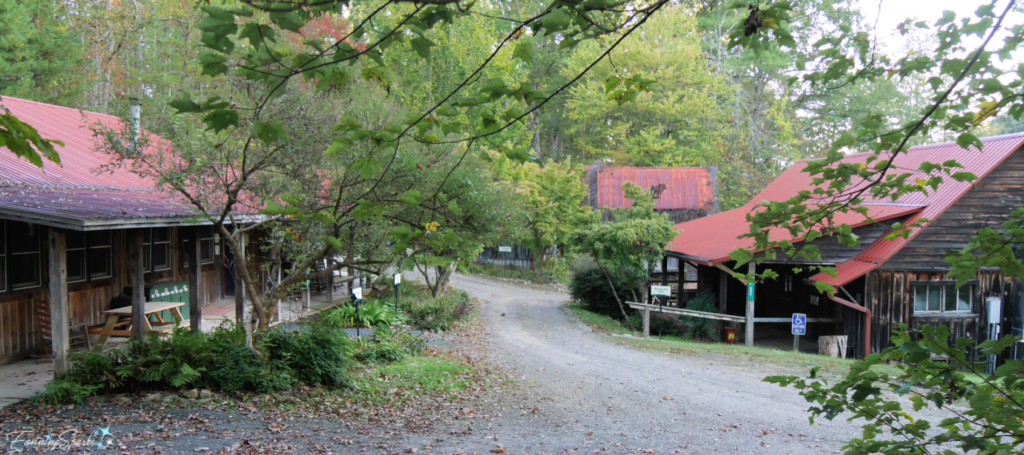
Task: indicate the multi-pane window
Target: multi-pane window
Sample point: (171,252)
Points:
(24,255)
(689,277)
(89,256)
(942,298)
(100,255)
(156,249)
(205,247)
(76,257)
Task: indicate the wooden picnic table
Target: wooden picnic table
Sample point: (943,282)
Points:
(116,327)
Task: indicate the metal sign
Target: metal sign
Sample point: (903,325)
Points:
(750,291)
(504,249)
(661,291)
(799,325)
(358,292)
(398,279)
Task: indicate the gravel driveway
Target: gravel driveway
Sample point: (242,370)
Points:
(579,392)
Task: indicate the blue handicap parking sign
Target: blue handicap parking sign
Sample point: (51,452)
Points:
(799,326)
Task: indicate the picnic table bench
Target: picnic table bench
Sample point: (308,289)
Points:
(118,328)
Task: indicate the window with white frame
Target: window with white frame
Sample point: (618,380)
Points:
(100,254)
(943,298)
(689,277)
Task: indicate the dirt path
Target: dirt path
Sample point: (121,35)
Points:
(580,392)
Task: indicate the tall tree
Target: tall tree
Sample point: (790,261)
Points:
(41,51)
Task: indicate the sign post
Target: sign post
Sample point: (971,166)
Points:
(357,293)
(798,327)
(398,281)
(658,292)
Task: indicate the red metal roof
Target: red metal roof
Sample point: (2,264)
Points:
(74,192)
(713,237)
(685,187)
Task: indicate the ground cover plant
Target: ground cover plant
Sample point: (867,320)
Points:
(280,359)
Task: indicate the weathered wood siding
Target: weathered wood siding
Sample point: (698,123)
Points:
(890,297)
(833,252)
(19,334)
(24,316)
(988,204)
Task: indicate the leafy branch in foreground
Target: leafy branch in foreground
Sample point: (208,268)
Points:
(985,414)
(968,85)
(23,140)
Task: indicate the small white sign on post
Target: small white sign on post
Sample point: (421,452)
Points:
(398,279)
(504,249)
(661,291)
(358,292)
(799,326)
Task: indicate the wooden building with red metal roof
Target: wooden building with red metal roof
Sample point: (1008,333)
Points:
(881,283)
(65,231)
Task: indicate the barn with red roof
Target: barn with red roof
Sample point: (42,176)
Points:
(881,283)
(83,212)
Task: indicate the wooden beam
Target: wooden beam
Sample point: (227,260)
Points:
(686,312)
(748,337)
(136,271)
(730,272)
(789,320)
(59,323)
(196,296)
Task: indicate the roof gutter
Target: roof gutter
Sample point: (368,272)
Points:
(79,224)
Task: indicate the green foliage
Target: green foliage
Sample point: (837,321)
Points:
(702,329)
(440,313)
(371,314)
(317,354)
(61,391)
(42,53)
(314,354)
(590,287)
(628,247)
(985,411)
(386,346)
(23,140)
(991,248)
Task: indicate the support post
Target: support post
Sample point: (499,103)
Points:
(647,322)
(796,343)
(330,283)
(136,270)
(59,324)
(196,297)
(748,337)
(240,311)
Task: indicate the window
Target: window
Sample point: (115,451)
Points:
(76,257)
(689,277)
(942,298)
(100,255)
(24,248)
(205,247)
(156,249)
(787,284)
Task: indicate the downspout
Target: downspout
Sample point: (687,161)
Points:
(867,320)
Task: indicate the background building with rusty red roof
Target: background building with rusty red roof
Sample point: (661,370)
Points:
(683,193)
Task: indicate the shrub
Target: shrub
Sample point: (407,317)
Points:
(371,314)
(64,391)
(218,360)
(590,287)
(441,313)
(385,346)
(702,329)
(316,355)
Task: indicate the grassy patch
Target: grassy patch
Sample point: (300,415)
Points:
(798,361)
(417,376)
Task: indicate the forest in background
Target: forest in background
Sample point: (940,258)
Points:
(710,105)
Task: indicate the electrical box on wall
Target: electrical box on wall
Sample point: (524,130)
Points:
(995,310)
